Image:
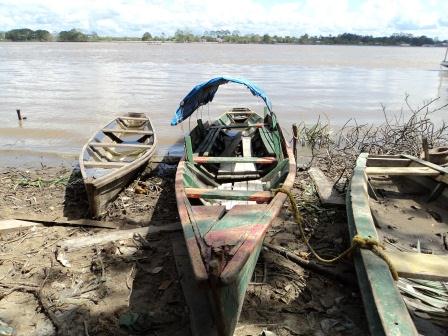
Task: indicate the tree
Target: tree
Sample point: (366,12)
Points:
(146,37)
(42,35)
(73,35)
(23,34)
(266,39)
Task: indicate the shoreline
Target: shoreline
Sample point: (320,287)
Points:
(443,45)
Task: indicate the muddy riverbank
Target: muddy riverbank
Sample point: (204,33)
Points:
(132,286)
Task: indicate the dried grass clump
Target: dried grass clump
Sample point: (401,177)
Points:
(335,151)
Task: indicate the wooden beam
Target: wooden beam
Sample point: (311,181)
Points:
(188,148)
(431,165)
(133,118)
(240,126)
(443,177)
(127,131)
(102,238)
(242,195)
(69,222)
(387,162)
(14,224)
(327,194)
(218,159)
(95,164)
(118,145)
(420,171)
(420,266)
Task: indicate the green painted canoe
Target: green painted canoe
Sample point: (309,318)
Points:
(401,201)
(226,204)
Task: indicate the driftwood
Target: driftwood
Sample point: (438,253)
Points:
(312,265)
(102,238)
(69,222)
(14,224)
(327,194)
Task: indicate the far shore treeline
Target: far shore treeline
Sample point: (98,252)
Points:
(223,36)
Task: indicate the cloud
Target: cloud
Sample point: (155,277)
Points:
(285,17)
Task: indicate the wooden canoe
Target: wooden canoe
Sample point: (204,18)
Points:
(114,156)
(401,201)
(226,203)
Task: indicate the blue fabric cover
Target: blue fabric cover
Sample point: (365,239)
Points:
(204,93)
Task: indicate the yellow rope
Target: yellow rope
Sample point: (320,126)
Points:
(357,241)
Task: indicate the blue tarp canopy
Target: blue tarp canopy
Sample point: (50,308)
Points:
(204,93)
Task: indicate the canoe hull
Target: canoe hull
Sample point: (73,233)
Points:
(210,226)
(116,169)
(99,196)
(228,299)
(396,213)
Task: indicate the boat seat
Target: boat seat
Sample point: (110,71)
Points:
(118,145)
(421,171)
(111,134)
(243,195)
(415,265)
(267,160)
(109,130)
(96,164)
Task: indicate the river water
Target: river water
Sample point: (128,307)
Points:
(69,90)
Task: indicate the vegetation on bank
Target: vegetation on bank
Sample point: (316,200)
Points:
(223,36)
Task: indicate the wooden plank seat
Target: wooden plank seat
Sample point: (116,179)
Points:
(242,195)
(118,145)
(133,118)
(127,131)
(239,126)
(217,159)
(96,164)
(415,171)
(419,265)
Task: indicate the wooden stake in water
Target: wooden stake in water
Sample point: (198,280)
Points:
(295,134)
(425,148)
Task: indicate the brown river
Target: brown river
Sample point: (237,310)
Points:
(68,90)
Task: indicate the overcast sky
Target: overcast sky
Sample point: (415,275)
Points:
(283,17)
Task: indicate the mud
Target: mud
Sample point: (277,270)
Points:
(131,286)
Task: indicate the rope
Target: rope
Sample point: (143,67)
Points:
(357,241)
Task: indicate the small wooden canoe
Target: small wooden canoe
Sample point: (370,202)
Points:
(226,203)
(114,156)
(402,201)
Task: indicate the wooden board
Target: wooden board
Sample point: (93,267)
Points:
(415,171)
(95,164)
(420,266)
(235,159)
(327,194)
(118,145)
(133,118)
(242,195)
(387,162)
(427,164)
(15,224)
(102,238)
(69,222)
(127,131)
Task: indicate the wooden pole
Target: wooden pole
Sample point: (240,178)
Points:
(188,148)
(19,115)
(295,133)
(425,148)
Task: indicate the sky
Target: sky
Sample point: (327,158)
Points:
(281,17)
